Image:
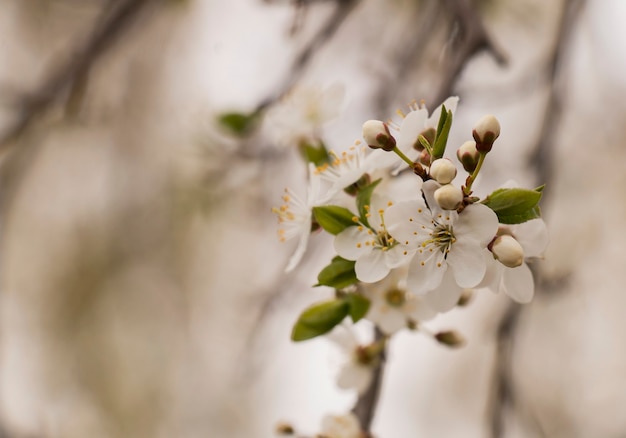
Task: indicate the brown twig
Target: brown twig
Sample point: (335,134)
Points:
(113,25)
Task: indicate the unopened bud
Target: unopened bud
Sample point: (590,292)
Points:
(449,197)
(465,298)
(377,135)
(507,251)
(285,429)
(468,155)
(450,338)
(443,171)
(485,133)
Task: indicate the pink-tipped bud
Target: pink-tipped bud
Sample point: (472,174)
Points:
(468,155)
(449,197)
(485,132)
(377,135)
(507,251)
(443,171)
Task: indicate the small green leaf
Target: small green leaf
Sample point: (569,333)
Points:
(239,124)
(443,131)
(333,218)
(317,155)
(515,206)
(318,319)
(513,219)
(359,305)
(364,198)
(339,274)
(540,188)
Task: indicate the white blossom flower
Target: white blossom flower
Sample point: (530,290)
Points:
(341,426)
(517,282)
(435,239)
(370,244)
(300,115)
(295,217)
(347,167)
(392,306)
(357,371)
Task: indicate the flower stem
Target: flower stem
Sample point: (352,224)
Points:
(406,159)
(470,180)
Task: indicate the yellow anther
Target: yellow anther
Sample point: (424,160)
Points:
(381,211)
(419,210)
(355,219)
(358,245)
(410,219)
(422,263)
(389,204)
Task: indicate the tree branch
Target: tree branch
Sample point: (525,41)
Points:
(115,22)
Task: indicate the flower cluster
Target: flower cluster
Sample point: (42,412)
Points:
(409,240)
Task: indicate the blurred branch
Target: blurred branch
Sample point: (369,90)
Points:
(116,20)
(365,407)
(542,158)
(472,38)
(426,22)
(323,35)
(542,161)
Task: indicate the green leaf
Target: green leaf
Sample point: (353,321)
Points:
(364,198)
(317,155)
(333,218)
(359,305)
(515,206)
(443,131)
(339,274)
(239,124)
(318,319)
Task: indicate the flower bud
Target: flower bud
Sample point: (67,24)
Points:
(449,197)
(450,338)
(468,155)
(443,171)
(507,251)
(377,135)
(485,133)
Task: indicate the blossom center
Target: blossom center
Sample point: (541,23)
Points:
(395,298)
(442,238)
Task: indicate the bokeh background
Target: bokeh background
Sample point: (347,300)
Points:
(142,291)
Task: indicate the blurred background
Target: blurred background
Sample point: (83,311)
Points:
(144,142)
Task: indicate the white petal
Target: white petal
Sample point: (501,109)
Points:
(411,127)
(446,296)
(371,266)
(429,187)
(350,243)
(391,321)
(533,236)
(300,249)
(467,262)
(403,219)
(518,283)
(423,278)
(396,257)
(477,222)
(493,274)
(354,376)
(418,309)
